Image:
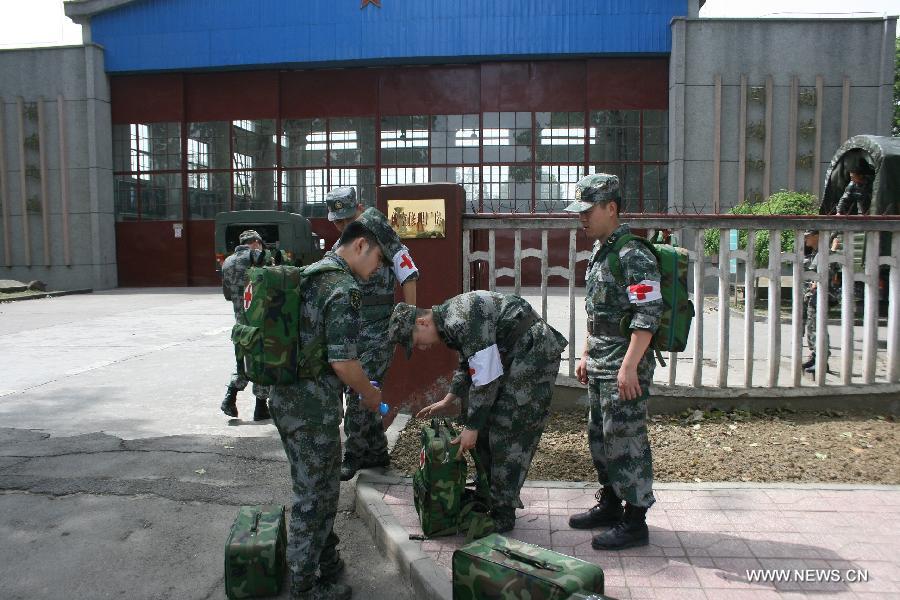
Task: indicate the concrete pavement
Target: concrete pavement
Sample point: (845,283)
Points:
(707,541)
(119,477)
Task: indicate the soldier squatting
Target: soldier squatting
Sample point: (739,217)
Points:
(509,360)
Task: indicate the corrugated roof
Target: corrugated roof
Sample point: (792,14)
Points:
(202,34)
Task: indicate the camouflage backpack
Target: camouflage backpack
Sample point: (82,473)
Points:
(267,344)
(444,504)
(678,310)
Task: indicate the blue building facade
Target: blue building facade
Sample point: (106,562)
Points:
(160,35)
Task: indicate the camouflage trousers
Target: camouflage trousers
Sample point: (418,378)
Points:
(313,450)
(506,444)
(239,381)
(809,305)
(617,435)
(363,430)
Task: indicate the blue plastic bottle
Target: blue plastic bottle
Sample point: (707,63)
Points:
(383,408)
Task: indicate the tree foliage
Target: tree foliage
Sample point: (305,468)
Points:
(780,203)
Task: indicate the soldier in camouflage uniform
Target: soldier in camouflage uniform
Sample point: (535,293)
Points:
(810,302)
(857,196)
(617,367)
(308,413)
(233,281)
(509,360)
(366,444)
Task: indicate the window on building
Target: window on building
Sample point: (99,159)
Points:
(322,154)
(243,176)
(197,159)
(140,150)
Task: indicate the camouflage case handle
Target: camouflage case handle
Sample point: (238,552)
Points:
(255,528)
(528,560)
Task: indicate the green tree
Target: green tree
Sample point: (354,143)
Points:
(780,203)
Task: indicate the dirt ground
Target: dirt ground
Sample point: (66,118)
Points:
(778,445)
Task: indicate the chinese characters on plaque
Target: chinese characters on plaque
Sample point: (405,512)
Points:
(417,218)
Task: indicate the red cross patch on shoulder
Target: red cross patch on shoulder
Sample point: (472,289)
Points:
(643,292)
(403,264)
(248,295)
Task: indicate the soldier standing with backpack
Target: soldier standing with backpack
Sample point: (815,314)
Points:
(617,366)
(308,413)
(366,444)
(509,360)
(234,270)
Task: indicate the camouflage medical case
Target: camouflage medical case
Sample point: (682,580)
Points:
(499,567)
(678,310)
(255,552)
(267,345)
(444,504)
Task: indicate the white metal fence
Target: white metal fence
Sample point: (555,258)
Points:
(767,349)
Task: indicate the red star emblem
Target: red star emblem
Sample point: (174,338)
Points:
(376,3)
(248,295)
(640,290)
(406,262)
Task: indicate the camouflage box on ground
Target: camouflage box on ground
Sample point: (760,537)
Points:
(255,552)
(500,567)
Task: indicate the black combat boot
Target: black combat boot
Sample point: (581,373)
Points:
(261,412)
(810,362)
(350,465)
(607,511)
(630,532)
(229,404)
(323,591)
(504,518)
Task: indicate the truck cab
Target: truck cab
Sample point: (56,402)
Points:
(286,232)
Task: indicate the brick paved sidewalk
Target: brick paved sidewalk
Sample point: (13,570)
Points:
(704,539)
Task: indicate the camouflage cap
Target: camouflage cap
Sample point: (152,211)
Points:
(598,187)
(400,329)
(810,232)
(342,203)
(377,223)
(249,235)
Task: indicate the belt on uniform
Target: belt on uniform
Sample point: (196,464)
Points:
(604,328)
(377,300)
(509,341)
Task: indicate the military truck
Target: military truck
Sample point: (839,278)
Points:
(879,156)
(284,232)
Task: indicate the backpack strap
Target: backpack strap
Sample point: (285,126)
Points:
(615,263)
(615,267)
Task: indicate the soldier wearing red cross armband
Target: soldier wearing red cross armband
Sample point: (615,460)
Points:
(366,444)
(233,270)
(509,359)
(617,366)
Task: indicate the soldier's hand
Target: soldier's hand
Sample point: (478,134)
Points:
(466,441)
(443,408)
(372,400)
(627,382)
(581,370)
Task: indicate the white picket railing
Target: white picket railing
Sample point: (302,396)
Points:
(858,345)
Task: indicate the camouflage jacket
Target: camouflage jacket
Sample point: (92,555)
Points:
(329,307)
(856,200)
(478,325)
(384,280)
(606,302)
(811,263)
(233,281)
